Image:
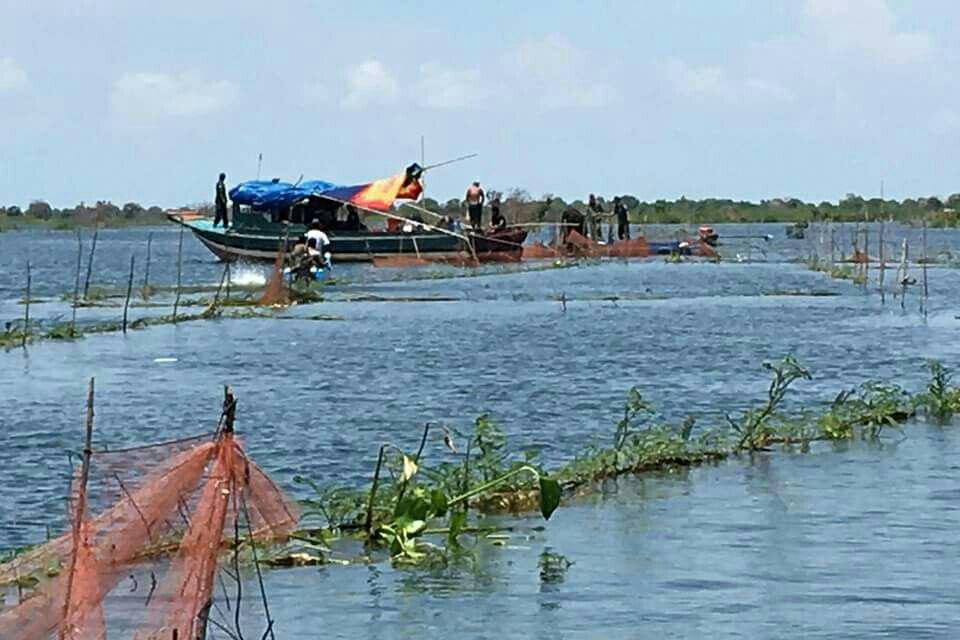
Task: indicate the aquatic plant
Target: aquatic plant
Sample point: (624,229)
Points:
(755,428)
(940,401)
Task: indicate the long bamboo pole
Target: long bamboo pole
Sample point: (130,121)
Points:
(926,289)
(126,302)
(76,285)
(176,300)
(146,272)
(79,514)
(93,250)
(26,309)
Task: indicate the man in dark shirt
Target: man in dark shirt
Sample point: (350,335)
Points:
(497,221)
(220,202)
(623,224)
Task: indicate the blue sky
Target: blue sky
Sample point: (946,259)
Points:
(102,99)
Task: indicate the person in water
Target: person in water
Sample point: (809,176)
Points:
(220,202)
(623,223)
(475,197)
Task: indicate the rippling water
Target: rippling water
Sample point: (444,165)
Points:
(847,541)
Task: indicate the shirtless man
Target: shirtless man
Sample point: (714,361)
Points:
(475,199)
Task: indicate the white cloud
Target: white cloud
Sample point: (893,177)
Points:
(11,75)
(712,82)
(369,83)
(144,97)
(867,27)
(557,74)
(441,87)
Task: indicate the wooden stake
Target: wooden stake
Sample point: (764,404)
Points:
(926,290)
(902,272)
(76,285)
(26,309)
(146,273)
(883,267)
(79,510)
(368,525)
(176,300)
(126,302)
(93,249)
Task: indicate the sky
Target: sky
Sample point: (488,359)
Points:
(148,102)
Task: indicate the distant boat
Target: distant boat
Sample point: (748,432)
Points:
(268,214)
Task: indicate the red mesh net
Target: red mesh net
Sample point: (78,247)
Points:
(184,504)
(276,290)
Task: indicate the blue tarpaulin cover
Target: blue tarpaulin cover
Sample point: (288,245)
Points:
(267,194)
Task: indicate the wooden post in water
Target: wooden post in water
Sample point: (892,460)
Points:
(79,514)
(126,302)
(926,290)
(883,295)
(93,249)
(902,272)
(176,300)
(26,311)
(866,255)
(146,272)
(833,244)
(76,285)
(229,278)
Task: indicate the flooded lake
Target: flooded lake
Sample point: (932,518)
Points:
(850,540)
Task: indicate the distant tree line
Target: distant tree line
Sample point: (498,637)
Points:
(103,212)
(519,206)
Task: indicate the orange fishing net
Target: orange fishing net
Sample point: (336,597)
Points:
(180,497)
(276,290)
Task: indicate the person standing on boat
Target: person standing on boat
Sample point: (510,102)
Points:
(220,202)
(623,223)
(594,216)
(475,198)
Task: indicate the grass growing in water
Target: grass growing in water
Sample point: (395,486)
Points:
(405,511)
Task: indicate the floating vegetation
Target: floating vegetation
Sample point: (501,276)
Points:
(418,513)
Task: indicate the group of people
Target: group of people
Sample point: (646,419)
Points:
(595,215)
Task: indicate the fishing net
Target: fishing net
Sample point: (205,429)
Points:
(275,293)
(145,503)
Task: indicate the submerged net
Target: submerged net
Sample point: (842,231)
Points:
(147,502)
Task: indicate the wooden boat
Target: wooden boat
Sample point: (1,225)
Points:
(269,214)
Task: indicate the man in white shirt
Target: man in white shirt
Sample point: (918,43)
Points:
(318,245)
(317,240)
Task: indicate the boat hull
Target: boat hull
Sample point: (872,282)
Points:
(355,246)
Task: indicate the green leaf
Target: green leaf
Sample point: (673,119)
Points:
(458,522)
(550,493)
(438,503)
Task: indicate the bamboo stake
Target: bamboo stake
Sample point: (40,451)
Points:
(126,302)
(146,273)
(176,300)
(93,249)
(866,255)
(76,285)
(883,266)
(902,273)
(833,245)
(26,311)
(373,491)
(79,511)
(926,290)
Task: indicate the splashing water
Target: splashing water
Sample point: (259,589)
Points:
(248,275)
